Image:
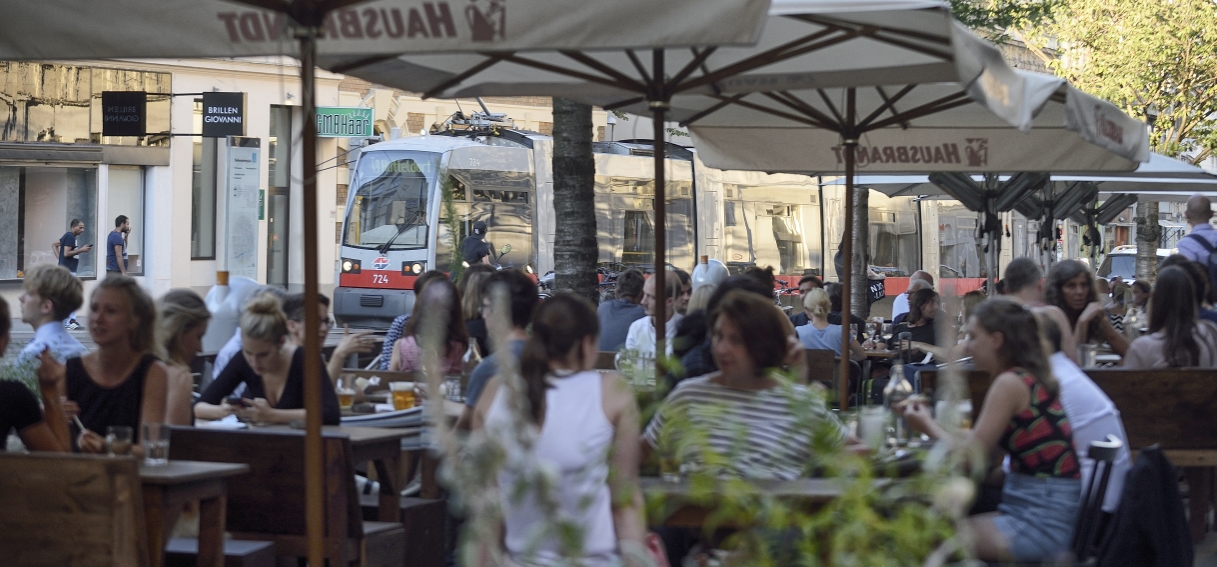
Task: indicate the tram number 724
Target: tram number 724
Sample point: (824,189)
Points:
(380,278)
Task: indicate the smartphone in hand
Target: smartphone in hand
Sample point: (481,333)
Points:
(237,401)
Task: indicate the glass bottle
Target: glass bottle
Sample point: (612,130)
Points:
(471,359)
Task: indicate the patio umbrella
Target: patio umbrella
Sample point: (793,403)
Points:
(1065,195)
(350,32)
(805,43)
(937,98)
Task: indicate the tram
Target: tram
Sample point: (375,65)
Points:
(397,223)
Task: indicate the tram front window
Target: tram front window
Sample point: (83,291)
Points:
(389,208)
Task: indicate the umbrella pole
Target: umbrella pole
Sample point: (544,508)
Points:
(659,108)
(847,253)
(313,469)
(847,250)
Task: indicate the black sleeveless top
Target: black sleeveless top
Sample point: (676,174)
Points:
(102,407)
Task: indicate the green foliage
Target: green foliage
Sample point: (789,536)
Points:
(1000,16)
(1158,60)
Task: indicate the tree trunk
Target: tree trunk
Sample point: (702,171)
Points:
(1149,235)
(575,248)
(861,235)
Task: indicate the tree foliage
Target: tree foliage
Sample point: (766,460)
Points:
(1157,60)
(1002,16)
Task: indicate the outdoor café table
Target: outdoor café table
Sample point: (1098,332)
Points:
(810,493)
(170,486)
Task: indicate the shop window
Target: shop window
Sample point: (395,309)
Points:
(37,205)
(126,197)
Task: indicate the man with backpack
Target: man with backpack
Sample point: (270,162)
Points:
(1201,243)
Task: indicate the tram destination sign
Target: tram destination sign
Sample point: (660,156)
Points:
(123,113)
(344,122)
(223,114)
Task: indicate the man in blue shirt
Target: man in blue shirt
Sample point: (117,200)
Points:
(1199,211)
(66,250)
(617,315)
(513,289)
(116,246)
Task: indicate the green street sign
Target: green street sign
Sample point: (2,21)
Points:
(344,122)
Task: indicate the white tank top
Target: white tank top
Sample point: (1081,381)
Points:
(572,449)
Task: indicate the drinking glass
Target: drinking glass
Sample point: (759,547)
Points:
(346,398)
(403,395)
(118,440)
(156,444)
(887,332)
(872,426)
(452,388)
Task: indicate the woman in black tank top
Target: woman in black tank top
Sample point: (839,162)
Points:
(121,383)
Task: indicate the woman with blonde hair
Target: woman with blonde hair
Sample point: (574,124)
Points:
(818,333)
(699,300)
(272,369)
(121,383)
(180,329)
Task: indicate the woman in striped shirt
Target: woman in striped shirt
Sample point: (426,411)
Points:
(744,420)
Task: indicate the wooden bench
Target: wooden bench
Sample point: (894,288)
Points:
(183,552)
(269,502)
(426,523)
(63,510)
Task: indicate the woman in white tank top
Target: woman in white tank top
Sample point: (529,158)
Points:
(578,425)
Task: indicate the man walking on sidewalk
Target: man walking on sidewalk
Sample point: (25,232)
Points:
(66,250)
(116,246)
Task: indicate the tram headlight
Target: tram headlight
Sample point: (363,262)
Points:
(350,266)
(413,268)
(346,265)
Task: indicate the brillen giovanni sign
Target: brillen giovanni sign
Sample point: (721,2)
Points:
(223,114)
(124,113)
(344,122)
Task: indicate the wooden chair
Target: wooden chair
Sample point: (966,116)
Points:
(821,366)
(71,511)
(269,504)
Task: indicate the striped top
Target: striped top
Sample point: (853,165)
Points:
(765,434)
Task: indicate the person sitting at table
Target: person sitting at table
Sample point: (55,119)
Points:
(834,316)
(272,369)
(19,408)
(745,399)
(1116,307)
(1140,294)
(437,310)
(180,329)
(359,342)
(398,326)
(584,426)
(1025,284)
(698,360)
(1199,275)
(1176,338)
(518,294)
(1070,287)
(819,333)
(924,307)
(122,382)
(470,286)
(1021,415)
(232,347)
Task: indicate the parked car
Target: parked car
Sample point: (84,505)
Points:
(1122,261)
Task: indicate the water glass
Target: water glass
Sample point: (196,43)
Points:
(452,388)
(872,426)
(1087,354)
(118,440)
(156,444)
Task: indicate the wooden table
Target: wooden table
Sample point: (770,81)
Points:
(169,487)
(809,493)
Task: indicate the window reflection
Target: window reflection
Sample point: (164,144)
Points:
(45,102)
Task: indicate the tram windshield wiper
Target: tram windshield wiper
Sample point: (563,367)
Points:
(384,248)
